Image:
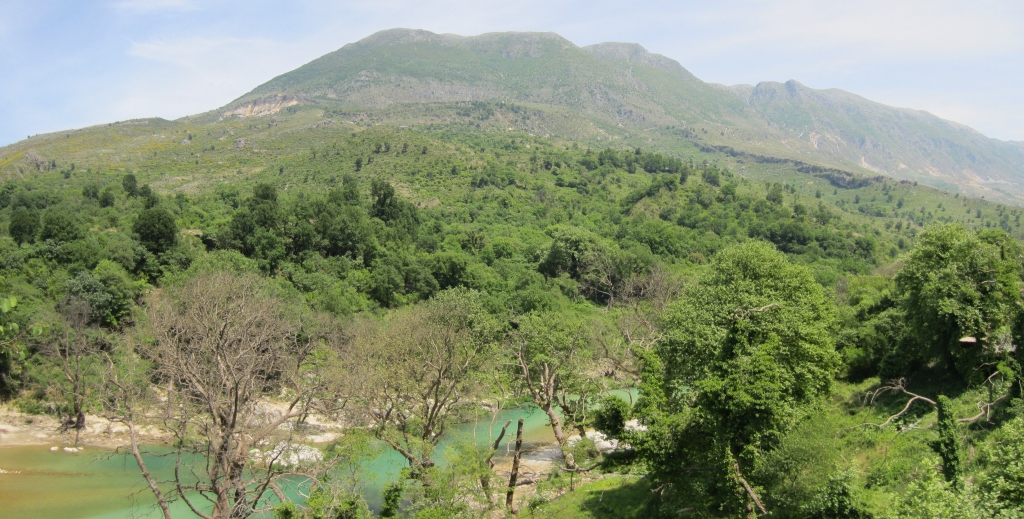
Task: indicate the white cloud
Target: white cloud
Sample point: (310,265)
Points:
(179,77)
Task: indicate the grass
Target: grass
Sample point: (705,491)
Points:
(615,496)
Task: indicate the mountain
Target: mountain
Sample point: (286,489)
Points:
(894,141)
(621,92)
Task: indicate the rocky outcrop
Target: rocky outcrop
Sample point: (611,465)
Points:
(263,106)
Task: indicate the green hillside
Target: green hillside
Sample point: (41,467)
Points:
(419,230)
(621,91)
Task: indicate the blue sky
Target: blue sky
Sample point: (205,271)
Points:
(69,64)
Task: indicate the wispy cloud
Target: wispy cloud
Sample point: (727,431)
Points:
(184,76)
(145,6)
(199,51)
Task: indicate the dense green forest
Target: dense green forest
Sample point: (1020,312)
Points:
(802,342)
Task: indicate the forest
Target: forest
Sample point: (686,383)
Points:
(753,340)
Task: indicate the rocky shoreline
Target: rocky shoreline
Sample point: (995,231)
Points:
(20,429)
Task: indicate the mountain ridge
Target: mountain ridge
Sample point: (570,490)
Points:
(615,94)
(618,90)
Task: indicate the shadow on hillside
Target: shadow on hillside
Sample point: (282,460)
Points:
(628,501)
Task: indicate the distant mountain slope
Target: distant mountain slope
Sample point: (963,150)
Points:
(619,89)
(895,141)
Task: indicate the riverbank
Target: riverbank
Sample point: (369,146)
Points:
(20,429)
(33,449)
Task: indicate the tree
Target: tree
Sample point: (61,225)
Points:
(107,197)
(76,355)
(549,355)
(130,185)
(416,374)
(960,292)
(570,251)
(12,350)
(107,293)
(223,345)
(948,445)
(264,206)
(24,225)
(745,349)
(60,226)
(610,418)
(149,198)
(711,176)
(156,229)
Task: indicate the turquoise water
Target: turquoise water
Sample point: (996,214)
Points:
(99,484)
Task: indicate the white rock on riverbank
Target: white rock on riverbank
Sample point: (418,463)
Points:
(289,454)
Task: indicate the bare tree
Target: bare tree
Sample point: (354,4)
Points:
(643,298)
(75,354)
(233,359)
(550,355)
(416,373)
(126,392)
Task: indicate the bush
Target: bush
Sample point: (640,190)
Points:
(612,415)
(24,225)
(59,225)
(1004,479)
(156,229)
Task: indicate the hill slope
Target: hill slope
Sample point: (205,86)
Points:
(613,91)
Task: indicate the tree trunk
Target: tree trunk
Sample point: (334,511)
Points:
(160,499)
(556,425)
(515,469)
(76,399)
(485,482)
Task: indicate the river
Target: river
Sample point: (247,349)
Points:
(98,484)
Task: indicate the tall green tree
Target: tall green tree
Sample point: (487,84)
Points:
(948,445)
(746,349)
(130,185)
(60,225)
(960,292)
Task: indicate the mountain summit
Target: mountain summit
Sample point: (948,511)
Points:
(621,90)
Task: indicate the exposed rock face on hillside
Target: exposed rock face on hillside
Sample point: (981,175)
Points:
(263,106)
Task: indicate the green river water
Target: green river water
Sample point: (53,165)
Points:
(94,484)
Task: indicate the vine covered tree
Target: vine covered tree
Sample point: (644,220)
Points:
(960,292)
(745,349)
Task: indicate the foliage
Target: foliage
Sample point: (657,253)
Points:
(746,349)
(837,501)
(1002,482)
(535,245)
(24,225)
(611,416)
(948,446)
(957,284)
(156,229)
